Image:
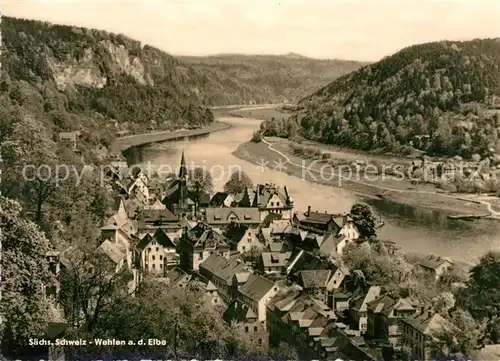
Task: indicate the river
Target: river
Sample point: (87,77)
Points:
(414,230)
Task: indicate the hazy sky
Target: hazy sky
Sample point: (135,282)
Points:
(356,29)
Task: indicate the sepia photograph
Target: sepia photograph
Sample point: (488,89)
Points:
(272,180)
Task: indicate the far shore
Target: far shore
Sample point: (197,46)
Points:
(128,141)
(392,190)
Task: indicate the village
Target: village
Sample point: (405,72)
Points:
(275,271)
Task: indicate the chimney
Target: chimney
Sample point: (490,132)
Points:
(308,211)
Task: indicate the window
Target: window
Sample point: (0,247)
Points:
(161,257)
(161,266)
(260,342)
(153,258)
(215,300)
(249,239)
(254,328)
(154,266)
(246,329)
(149,249)
(272,204)
(243,248)
(157,249)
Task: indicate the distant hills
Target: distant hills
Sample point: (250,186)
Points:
(441,97)
(72,78)
(244,79)
(83,79)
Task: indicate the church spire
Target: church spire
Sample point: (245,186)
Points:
(182,170)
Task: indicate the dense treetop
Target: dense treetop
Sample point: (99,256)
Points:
(443,91)
(240,79)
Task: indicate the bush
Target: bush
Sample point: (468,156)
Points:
(256,137)
(326,156)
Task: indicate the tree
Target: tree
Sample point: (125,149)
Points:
(89,289)
(238,182)
(364,220)
(179,316)
(199,183)
(482,295)
(284,351)
(25,271)
(443,303)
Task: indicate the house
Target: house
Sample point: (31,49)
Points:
(435,266)
(243,237)
(221,199)
(384,318)
(333,245)
(274,262)
(198,243)
(310,328)
(136,185)
(150,216)
(246,322)
(320,222)
(280,229)
(120,231)
(69,138)
(114,258)
(314,282)
(422,330)
(358,307)
(269,198)
(255,292)
(223,217)
(220,272)
(335,298)
(154,254)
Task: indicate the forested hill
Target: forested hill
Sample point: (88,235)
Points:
(78,78)
(243,79)
(439,97)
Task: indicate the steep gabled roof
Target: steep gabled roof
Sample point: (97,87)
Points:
(218,199)
(314,278)
(430,323)
(264,192)
(235,232)
(160,236)
(360,303)
(386,304)
(256,287)
(222,268)
(111,250)
(204,236)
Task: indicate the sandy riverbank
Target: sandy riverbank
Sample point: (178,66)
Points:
(372,187)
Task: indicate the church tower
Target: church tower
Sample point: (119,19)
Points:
(182,179)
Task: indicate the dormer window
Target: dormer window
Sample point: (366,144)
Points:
(217,218)
(247,217)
